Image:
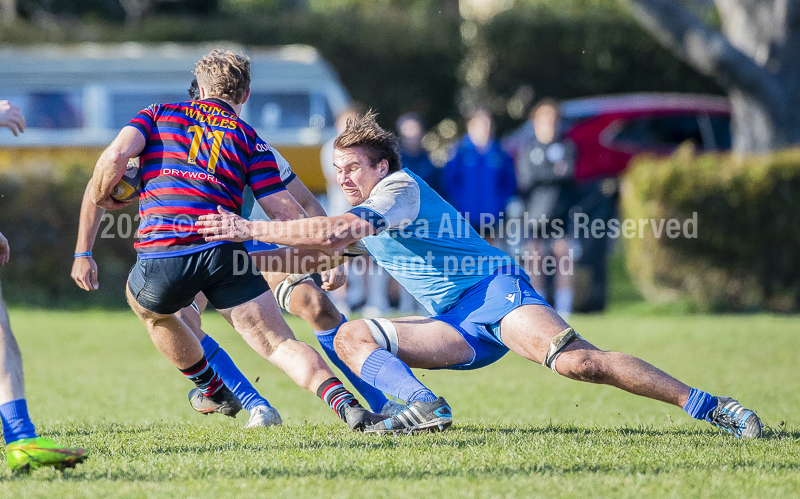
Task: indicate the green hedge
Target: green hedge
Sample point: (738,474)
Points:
(745,255)
(40,220)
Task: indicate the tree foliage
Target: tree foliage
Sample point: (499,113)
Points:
(755,56)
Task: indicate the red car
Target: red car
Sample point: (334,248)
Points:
(609,131)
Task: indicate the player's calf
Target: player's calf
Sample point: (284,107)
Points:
(311,304)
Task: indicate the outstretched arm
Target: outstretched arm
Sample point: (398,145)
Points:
(326,234)
(332,278)
(84,269)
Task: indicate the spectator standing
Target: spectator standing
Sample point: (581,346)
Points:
(479,179)
(410,130)
(545,166)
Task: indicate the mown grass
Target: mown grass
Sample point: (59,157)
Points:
(95,380)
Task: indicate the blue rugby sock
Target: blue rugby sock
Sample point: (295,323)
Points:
(374,397)
(16,422)
(389,374)
(700,404)
(233,378)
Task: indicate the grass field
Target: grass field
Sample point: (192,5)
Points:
(95,380)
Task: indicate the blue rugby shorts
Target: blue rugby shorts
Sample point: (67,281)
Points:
(478,312)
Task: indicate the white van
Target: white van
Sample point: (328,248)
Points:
(76,98)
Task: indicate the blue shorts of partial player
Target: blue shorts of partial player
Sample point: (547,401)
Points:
(477,314)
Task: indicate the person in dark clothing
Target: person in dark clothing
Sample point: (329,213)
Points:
(410,130)
(545,165)
(479,179)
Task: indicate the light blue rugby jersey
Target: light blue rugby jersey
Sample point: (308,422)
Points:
(251,210)
(424,243)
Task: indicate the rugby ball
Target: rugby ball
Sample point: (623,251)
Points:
(129,186)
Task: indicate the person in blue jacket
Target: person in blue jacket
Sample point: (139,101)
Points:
(479,179)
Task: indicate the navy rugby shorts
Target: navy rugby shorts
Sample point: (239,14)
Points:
(166,285)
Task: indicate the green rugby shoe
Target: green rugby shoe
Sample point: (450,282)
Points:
(33,453)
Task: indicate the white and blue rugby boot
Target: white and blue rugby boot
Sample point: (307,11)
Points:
(392,408)
(737,420)
(263,417)
(415,418)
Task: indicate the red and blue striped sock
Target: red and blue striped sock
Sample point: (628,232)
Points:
(333,393)
(205,378)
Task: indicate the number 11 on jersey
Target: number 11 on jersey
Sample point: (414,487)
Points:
(216,146)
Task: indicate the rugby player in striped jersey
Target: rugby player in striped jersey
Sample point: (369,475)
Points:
(194,156)
(295,293)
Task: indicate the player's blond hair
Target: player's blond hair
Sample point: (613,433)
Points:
(379,144)
(224,74)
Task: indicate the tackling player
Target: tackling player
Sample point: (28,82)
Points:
(195,155)
(482,303)
(25,450)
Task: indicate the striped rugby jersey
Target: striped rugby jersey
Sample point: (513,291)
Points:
(198,155)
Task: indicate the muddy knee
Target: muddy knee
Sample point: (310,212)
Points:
(350,337)
(585,365)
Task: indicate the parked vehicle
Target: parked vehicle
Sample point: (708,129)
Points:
(610,130)
(76,98)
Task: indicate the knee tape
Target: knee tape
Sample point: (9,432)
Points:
(283,291)
(384,333)
(560,341)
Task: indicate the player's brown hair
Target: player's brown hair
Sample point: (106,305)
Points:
(379,144)
(224,74)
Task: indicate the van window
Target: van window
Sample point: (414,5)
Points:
(126,105)
(276,110)
(59,110)
(655,131)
